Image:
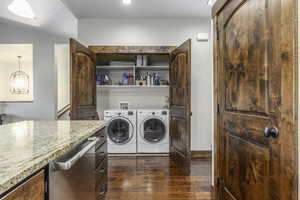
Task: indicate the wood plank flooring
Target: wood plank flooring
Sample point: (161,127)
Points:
(157,178)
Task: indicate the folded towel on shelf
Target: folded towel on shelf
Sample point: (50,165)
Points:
(121,63)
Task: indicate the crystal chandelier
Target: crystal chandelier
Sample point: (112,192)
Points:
(19,81)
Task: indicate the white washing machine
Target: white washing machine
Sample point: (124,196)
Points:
(153,131)
(121,131)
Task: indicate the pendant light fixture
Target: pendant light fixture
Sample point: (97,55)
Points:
(21,8)
(19,81)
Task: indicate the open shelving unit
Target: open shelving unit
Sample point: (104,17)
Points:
(132,67)
(157,63)
(114,61)
(134,86)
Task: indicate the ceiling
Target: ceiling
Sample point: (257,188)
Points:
(60,16)
(51,16)
(153,9)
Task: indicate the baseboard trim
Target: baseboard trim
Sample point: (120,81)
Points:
(202,155)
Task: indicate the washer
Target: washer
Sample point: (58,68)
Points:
(153,131)
(121,131)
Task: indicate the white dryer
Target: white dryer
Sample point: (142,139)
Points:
(121,131)
(153,131)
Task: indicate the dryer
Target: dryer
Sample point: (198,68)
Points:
(153,131)
(121,131)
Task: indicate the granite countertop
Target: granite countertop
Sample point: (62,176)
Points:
(28,146)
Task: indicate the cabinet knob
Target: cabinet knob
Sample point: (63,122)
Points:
(271,132)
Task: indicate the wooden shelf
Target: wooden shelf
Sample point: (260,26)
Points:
(132,67)
(152,68)
(134,86)
(115,67)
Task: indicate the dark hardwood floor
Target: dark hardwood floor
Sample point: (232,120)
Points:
(157,178)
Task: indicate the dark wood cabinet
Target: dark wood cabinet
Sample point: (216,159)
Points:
(32,189)
(101,169)
(101,179)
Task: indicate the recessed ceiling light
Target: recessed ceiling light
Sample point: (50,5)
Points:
(21,8)
(127,2)
(210,2)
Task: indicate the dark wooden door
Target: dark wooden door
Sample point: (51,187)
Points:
(256,96)
(180,106)
(83,83)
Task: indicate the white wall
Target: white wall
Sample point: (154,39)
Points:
(137,98)
(44,80)
(165,32)
(62,64)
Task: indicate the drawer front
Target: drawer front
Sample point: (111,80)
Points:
(101,154)
(101,174)
(101,171)
(102,136)
(101,165)
(101,191)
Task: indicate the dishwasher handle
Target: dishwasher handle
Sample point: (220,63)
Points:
(69,163)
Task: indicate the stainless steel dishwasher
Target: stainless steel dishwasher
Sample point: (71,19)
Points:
(71,176)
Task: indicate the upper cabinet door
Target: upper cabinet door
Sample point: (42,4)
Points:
(83,83)
(256,75)
(180,106)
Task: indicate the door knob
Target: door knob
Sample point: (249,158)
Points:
(273,132)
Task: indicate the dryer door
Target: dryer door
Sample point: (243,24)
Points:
(120,130)
(153,130)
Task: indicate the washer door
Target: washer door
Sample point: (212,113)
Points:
(120,131)
(153,130)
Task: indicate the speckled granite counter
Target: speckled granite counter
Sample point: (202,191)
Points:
(26,147)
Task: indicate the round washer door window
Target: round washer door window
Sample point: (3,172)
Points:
(154,130)
(119,131)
